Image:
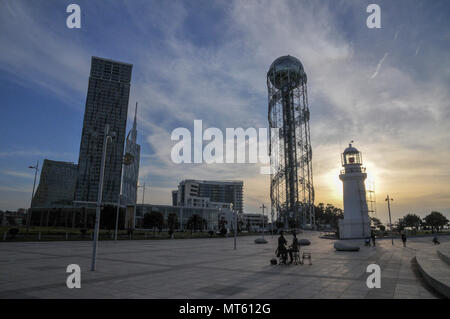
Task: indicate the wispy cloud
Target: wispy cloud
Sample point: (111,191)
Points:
(35,154)
(380,63)
(17,174)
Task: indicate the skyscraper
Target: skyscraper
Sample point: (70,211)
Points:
(106,103)
(131,171)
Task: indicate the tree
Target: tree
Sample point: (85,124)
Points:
(412,220)
(196,222)
(328,214)
(222,226)
(436,221)
(240,225)
(108,217)
(375,222)
(291,222)
(172,222)
(154,220)
(279,224)
(400,225)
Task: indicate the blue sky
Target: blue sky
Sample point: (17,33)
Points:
(208,60)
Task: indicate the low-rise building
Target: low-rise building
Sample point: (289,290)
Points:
(211,215)
(254,222)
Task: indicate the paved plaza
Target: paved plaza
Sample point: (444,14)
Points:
(209,268)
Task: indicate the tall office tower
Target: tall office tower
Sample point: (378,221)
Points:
(291,187)
(199,193)
(106,103)
(131,171)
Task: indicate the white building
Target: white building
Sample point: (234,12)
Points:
(254,221)
(356,223)
(201,193)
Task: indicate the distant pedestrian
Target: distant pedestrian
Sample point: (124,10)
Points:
(295,247)
(435,240)
(282,250)
(373,238)
(404,239)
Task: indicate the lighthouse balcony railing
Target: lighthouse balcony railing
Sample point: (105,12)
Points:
(353,170)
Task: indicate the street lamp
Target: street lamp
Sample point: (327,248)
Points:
(30,211)
(388,200)
(143,192)
(107,137)
(235,224)
(271,216)
(127,159)
(263,207)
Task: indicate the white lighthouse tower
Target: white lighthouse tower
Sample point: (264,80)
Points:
(356,222)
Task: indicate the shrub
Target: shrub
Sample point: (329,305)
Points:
(13,232)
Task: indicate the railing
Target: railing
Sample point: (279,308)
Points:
(353,170)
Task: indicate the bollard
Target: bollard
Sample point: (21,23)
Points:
(130,236)
(39,236)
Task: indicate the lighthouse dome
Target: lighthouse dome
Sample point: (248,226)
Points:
(350,150)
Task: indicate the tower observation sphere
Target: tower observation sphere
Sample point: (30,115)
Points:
(291,188)
(286,70)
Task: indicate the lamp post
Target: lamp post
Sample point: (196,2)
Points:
(30,211)
(389,210)
(263,207)
(235,224)
(143,192)
(107,137)
(271,216)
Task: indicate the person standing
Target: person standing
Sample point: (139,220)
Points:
(404,239)
(294,247)
(373,238)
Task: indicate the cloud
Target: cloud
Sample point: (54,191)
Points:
(379,66)
(37,57)
(17,174)
(210,63)
(34,153)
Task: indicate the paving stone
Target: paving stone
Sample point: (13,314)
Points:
(208,268)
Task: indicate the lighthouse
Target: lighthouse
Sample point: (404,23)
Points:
(356,222)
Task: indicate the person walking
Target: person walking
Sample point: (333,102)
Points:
(282,251)
(373,238)
(404,239)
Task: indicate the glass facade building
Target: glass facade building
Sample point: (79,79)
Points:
(106,103)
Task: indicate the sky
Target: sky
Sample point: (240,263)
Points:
(387,89)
